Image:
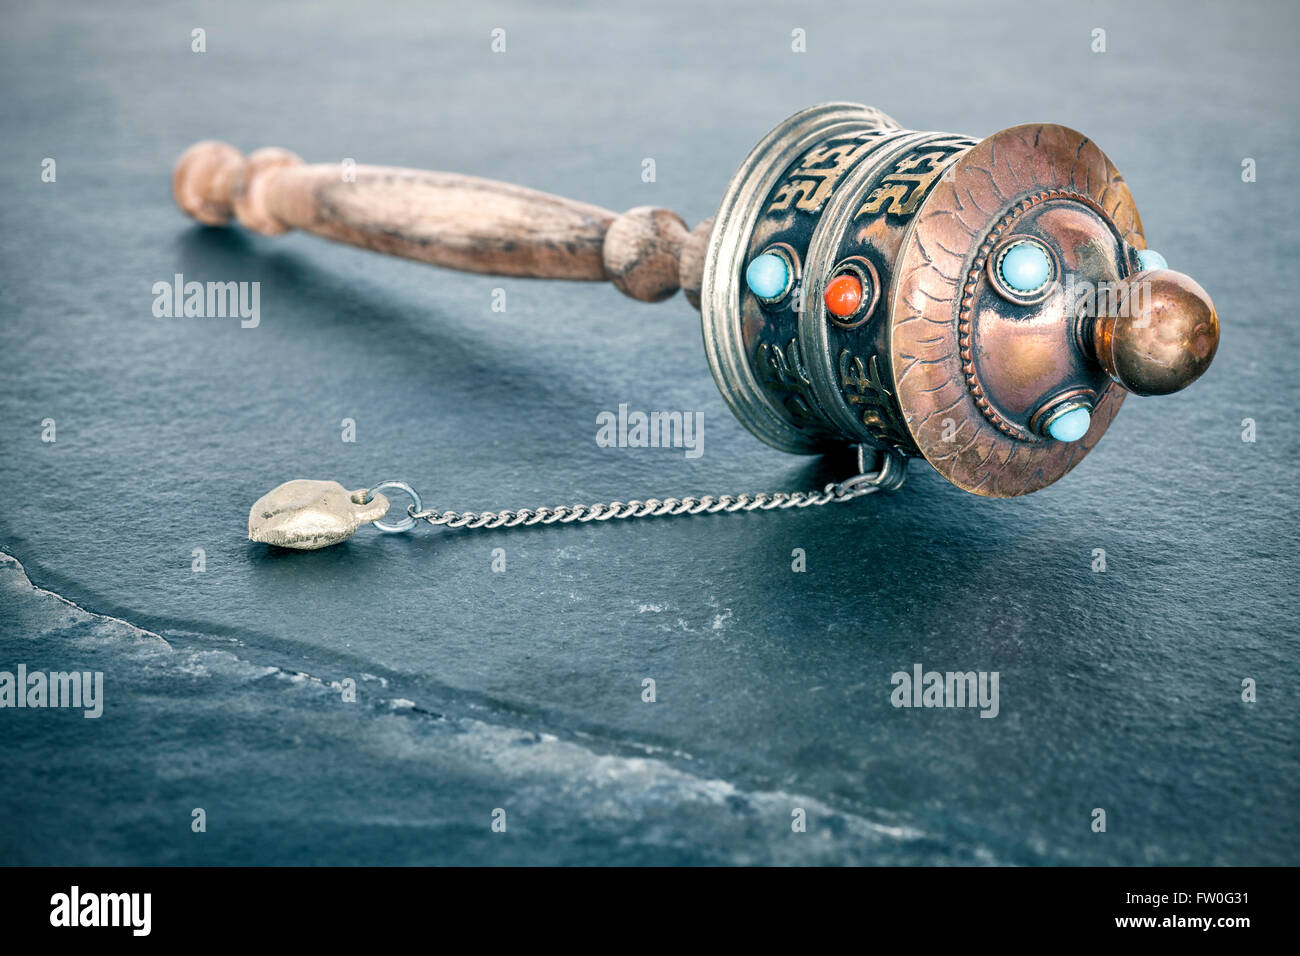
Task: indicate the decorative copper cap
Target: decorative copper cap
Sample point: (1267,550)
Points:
(986,364)
(1161,336)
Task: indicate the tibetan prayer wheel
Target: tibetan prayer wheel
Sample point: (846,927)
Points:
(983,304)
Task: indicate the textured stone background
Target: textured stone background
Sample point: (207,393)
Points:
(522,690)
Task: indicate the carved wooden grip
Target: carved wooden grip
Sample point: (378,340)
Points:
(445,219)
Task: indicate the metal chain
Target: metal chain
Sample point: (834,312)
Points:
(888,477)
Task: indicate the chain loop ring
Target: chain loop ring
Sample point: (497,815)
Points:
(407,523)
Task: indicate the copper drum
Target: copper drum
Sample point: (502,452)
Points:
(940,360)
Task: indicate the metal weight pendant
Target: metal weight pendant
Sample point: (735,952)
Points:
(307,514)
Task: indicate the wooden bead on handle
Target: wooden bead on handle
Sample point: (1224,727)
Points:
(251,199)
(641,251)
(204,180)
(445,219)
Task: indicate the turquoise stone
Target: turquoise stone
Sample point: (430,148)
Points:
(1149,259)
(1071,426)
(767,276)
(1025,267)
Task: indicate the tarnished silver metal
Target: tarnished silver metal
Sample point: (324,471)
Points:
(407,523)
(729,249)
(303,497)
(800,379)
(306,514)
(888,477)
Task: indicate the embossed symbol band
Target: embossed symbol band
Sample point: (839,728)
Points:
(983,305)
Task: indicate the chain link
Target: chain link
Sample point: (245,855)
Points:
(888,477)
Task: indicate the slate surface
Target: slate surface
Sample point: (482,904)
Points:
(522,690)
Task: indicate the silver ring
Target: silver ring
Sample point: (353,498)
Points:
(407,523)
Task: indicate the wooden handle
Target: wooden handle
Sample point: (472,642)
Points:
(445,219)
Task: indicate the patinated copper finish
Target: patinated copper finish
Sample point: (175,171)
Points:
(966,357)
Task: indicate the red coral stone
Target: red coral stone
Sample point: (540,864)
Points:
(843,295)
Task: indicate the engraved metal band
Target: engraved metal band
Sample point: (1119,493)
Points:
(732,229)
(814,334)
